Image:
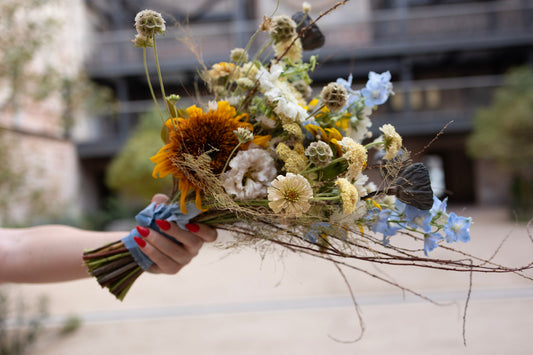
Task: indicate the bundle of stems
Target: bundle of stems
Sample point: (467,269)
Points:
(114,267)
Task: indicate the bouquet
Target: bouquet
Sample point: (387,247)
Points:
(274,160)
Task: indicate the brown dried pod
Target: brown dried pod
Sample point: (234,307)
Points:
(312,38)
(413,187)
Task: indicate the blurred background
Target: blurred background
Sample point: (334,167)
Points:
(76,120)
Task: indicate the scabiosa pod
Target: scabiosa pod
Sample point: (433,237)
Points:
(283,28)
(334,96)
(319,153)
(143,41)
(149,23)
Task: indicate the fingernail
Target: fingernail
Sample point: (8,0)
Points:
(164,225)
(140,242)
(193,227)
(143,231)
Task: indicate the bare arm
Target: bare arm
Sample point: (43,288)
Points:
(53,253)
(47,253)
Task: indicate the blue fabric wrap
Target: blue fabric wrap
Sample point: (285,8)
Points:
(147,218)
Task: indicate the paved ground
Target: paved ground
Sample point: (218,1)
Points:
(245,304)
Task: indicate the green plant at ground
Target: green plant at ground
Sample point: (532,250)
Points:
(503,132)
(19,325)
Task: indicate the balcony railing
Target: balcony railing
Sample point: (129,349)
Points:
(421,107)
(397,31)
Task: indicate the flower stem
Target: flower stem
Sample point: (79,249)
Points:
(160,76)
(370,145)
(150,85)
(229,157)
(334,161)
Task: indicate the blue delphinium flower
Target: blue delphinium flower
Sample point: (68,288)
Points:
(318,228)
(439,207)
(457,228)
(431,241)
(418,218)
(353,95)
(382,224)
(377,89)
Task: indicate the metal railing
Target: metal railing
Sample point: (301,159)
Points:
(386,31)
(432,104)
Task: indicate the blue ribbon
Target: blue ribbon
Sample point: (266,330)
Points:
(147,218)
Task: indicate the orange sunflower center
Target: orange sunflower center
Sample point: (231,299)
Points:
(200,133)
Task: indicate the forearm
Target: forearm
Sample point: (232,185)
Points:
(47,253)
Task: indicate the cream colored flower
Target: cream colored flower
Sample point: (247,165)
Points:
(290,194)
(356,156)
(238,55)
(294,130)
(290,49)
(392,141)
(294,159)
(349,195)
(221,70)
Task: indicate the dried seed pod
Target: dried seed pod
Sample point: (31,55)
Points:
(312,38)
(413,187)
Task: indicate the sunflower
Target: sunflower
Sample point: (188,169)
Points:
(200,134)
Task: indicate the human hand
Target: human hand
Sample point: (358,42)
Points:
(168,256)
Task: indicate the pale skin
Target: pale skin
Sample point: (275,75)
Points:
(53,253)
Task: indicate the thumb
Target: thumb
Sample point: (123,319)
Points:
(160,198)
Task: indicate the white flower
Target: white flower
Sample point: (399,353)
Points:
(250,174)
(291,194)
(280,94)
(362,187)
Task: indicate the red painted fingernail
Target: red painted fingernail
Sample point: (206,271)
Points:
(164,225)
(193,227)
(143,231)
(140,242)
